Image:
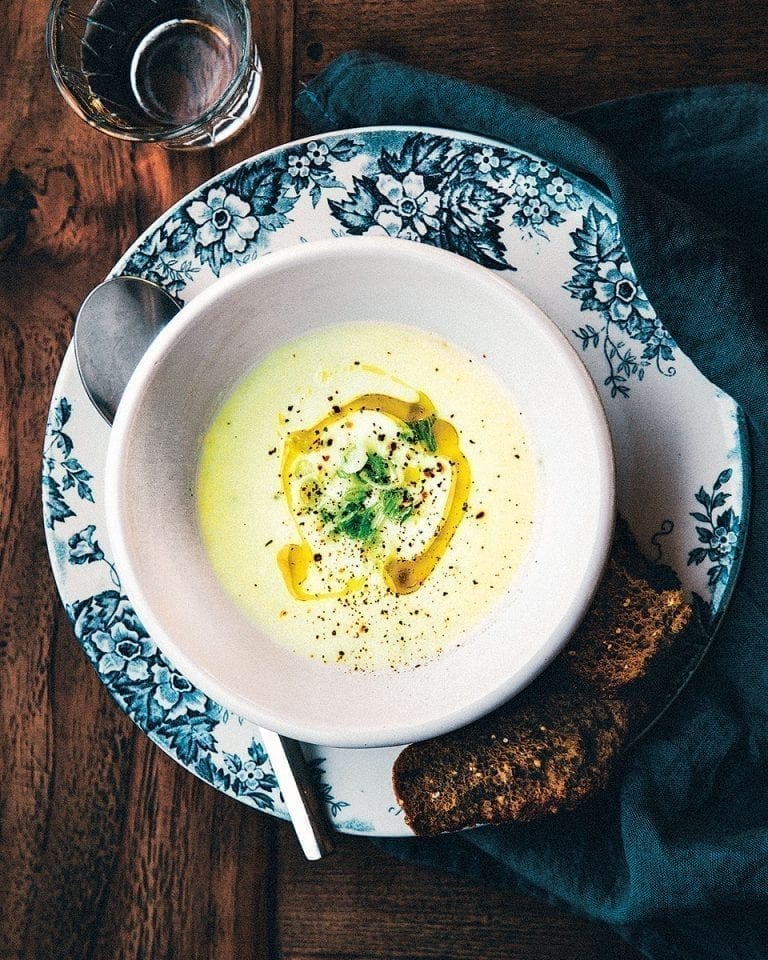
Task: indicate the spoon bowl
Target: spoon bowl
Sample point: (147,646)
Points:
(118,320)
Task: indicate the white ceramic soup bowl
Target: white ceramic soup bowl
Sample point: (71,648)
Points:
(216,340)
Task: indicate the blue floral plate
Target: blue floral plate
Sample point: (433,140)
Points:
(680,445)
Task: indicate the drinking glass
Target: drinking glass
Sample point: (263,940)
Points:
(181,73)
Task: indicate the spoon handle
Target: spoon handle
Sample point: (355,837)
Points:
(301,797)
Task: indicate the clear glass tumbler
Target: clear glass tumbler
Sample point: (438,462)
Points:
(181,73)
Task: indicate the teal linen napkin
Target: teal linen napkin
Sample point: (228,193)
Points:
(675,854)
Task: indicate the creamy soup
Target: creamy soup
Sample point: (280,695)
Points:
(366,495)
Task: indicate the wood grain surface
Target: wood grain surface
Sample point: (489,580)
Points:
(108,849)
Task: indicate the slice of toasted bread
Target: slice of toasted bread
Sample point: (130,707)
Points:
(522,763)
(556,744)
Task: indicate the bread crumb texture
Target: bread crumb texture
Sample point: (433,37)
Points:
(558,742)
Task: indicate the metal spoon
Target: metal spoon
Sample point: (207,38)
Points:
(116,323)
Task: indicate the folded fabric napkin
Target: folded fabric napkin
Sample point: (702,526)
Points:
(675,853)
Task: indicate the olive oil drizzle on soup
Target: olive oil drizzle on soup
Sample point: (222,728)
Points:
(366,494)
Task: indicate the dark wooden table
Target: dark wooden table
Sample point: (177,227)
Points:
(109,849)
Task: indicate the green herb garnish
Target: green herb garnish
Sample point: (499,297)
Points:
(422,431)
(376,470)
(369,501)
(396,504)
(356,521)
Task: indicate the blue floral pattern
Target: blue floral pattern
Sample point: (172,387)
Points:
(511,212)
(165,257)
(543,194)
(317,770)
(428,188)
(309,165)
(223,219)
(230,223)
(434,191)
(718,530)
(606,284)
(61,471)
(453,196)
